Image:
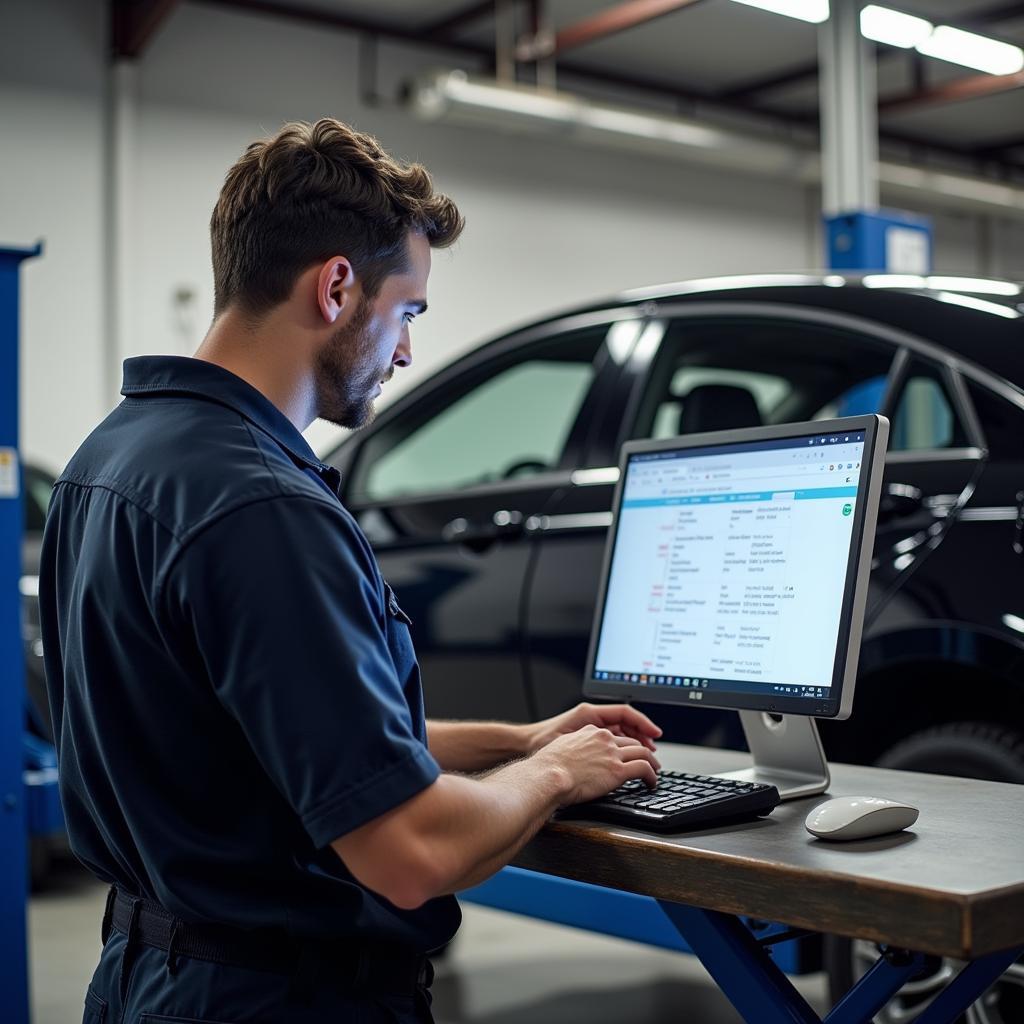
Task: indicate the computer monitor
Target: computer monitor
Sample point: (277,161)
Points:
(735,576)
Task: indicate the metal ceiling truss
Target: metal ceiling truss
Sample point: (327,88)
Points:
(443,34)
(922,94)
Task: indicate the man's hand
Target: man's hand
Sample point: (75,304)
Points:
(460,830)
(619,719)
(596,761)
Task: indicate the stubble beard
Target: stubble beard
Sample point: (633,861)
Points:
(344,376)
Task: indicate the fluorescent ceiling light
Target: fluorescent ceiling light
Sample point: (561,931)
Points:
(647,126)
(973,51)
(814,11)
(893,27)
(530,103)
(454,96)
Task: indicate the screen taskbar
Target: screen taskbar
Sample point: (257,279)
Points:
(701,683)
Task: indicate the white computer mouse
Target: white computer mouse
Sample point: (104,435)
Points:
(859,817)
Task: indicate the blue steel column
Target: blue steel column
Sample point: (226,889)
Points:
(13,835)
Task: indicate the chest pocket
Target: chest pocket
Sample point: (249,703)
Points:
(403,655)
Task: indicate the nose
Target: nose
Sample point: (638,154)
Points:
(403,354)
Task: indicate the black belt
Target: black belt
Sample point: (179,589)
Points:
(360,967)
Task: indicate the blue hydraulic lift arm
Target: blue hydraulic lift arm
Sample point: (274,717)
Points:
(13,867)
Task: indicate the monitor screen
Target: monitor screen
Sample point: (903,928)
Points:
(731,567)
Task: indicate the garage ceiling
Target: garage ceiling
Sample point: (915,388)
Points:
(723,59)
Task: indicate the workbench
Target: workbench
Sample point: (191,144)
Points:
(951,886)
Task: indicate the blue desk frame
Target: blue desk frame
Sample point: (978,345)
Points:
(748,961)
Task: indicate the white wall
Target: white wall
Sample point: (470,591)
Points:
(548,224)
(51,188)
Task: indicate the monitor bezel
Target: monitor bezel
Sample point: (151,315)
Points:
(839,703)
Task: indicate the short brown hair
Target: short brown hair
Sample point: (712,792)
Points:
(311,192)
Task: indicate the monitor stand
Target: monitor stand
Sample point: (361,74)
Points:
(787,754)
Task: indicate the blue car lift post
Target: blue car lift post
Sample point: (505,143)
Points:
(13,836)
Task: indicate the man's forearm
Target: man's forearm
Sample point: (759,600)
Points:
(502,813)
(476,746)
(456,832)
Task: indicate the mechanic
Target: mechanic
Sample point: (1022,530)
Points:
(237,704)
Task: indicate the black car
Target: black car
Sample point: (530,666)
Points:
(486,493)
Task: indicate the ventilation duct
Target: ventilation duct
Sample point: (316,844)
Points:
(457,97)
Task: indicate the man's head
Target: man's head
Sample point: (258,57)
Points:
(324,205)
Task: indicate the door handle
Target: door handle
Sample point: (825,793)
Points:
(899,500)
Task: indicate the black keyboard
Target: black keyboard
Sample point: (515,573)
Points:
(680,802)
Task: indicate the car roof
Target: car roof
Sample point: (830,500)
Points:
(979,319)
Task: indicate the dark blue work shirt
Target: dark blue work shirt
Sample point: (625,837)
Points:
(232,684)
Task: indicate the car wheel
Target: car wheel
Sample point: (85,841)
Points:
(969,750)
(973,750)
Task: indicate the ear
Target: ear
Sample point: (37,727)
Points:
(335,288)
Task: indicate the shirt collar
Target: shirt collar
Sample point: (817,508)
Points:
(155,375)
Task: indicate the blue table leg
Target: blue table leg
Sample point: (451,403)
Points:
(762,994)
(741,967)
(967,986)
(872,991)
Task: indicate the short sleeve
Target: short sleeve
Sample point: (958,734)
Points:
(284,605)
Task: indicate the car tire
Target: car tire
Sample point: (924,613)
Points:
(976,750)
(971,750)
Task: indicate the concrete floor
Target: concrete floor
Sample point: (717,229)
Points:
(501,969)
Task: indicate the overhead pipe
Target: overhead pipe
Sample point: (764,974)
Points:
(456,96)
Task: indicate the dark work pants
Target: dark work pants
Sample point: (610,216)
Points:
(136,986)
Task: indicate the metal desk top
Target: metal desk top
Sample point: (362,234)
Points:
(952,885)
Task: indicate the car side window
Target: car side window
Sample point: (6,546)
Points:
(723,373)
(508,421)
(38,487)
(1001,420)
(925,416)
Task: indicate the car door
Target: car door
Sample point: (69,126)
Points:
(696,367)
(448,483)
(935,462)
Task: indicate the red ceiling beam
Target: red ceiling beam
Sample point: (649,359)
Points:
(609,22)
(953,92)
(133,23)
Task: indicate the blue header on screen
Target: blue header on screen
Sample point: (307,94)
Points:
(805,441)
